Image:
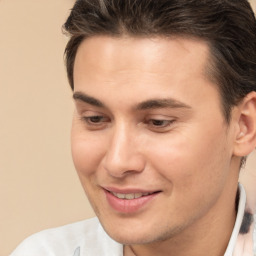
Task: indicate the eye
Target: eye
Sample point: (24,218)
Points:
(95,121)
(159,125)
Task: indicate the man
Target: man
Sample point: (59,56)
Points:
(165,115)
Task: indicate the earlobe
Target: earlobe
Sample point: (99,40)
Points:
(245,140)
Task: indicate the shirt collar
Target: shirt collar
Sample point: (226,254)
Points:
(239,220)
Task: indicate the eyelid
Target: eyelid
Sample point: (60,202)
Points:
(167,123)
(89,112)
(99,120)
(86,116)
(160,117)
(100,124)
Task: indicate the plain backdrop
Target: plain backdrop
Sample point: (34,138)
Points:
(39,188)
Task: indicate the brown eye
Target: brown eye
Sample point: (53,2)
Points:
(95,122)
(94,119)
(160,123)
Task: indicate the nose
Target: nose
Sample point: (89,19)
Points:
(123,154)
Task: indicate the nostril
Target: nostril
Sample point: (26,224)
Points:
(123,165)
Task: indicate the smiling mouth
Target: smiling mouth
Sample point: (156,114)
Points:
(129,201)
(131,196)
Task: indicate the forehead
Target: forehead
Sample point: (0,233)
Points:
(136,69)
(151,55)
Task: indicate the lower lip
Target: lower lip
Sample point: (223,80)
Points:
(128,206)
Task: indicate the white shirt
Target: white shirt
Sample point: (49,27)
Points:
(88,238)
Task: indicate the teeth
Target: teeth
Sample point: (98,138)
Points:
(137,195)
(121,196)
(130,196)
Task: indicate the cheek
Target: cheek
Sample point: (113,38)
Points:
(87,152)
(191,159)
(194,173)
(172,160)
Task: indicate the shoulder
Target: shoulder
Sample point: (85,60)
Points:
(86,236)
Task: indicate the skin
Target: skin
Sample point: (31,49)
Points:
(184,149)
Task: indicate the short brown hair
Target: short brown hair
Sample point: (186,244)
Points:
(228,26)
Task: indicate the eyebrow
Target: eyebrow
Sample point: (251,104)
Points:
(87,99)
(148,104)
(161,103)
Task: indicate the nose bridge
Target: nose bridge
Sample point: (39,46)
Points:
(122,154)
(120,143)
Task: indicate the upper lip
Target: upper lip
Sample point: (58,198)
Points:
(129,190)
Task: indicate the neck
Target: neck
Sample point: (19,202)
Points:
(208,235)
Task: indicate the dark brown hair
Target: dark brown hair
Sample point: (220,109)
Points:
(228,26)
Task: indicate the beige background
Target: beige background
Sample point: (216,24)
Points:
(38,184)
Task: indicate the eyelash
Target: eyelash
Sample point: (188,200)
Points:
(99,122)
(89,119)
(160,123)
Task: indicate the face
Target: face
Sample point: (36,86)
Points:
(149,140)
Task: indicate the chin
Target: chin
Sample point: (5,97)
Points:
(128,239)
(125,234)
(128,235)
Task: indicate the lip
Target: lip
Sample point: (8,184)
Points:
(129,190)
(129,206)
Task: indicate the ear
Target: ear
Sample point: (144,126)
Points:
(245,140)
